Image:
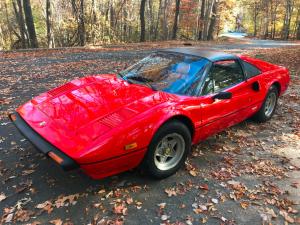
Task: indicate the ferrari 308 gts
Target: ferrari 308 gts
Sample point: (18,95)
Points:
(151,113)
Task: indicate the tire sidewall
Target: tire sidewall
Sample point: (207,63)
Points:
(272,89)
(168,128)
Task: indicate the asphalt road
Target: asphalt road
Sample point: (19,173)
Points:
(228,167)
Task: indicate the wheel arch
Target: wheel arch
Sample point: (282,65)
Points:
(183,119)
(278,86)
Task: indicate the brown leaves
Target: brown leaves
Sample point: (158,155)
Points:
(223,174)
(46,206)
(23,215)
(204,187)
(171,192)
(203,208)
(191,169)
(295,184)
(244,205)
(27,172)
(56,222)
(120,208)
(8,215)
(129,201)
(66,200)
(2,197)
(286,216)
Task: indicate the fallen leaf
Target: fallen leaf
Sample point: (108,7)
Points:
(271,212)
(46,206)
(244,205)
(295,185)
(2,197)
(193,173)
(9,218)
(56,222)
(129,201)
(171,192)
(204,187)
(27,172)
(214,200)
(164,217)
(162,205)
(23,215)
(197,211)
(120,209)
(286,216)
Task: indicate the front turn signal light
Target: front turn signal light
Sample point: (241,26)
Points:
(55,157)
(131,146)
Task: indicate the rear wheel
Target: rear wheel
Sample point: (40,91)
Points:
(268,107)
(168,150)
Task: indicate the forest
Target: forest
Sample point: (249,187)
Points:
(66,23)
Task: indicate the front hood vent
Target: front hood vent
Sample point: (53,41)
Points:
(62,89)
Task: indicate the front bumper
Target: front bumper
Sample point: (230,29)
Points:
(43,145)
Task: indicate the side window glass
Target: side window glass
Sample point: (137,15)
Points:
(250,70)
(222,75)
(208,85)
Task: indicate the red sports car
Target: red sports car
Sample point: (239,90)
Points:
(152,112)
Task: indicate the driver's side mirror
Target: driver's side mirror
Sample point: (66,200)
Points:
(222,95)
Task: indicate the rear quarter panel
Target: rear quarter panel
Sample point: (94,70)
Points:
(271,74)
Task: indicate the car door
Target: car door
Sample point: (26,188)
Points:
(218,113)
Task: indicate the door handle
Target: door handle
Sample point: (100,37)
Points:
(255,86)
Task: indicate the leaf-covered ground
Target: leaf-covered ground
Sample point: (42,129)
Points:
(248,174)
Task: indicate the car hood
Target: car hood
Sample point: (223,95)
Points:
(80,102)
(84,109)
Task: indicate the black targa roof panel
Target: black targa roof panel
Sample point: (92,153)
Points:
(204,53)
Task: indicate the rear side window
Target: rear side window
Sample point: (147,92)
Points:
(250,70)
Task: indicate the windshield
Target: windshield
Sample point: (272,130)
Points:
(170,72)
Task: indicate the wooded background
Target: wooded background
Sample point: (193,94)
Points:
(63,23)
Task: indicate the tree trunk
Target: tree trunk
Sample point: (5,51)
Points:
(8,23)
(157,21)
(93,21)
(266,19)
(142,19)
(207,20)
(20,19)
(30,24)
(287,20)
(200,34)
(298,31)
(81,25)
(151,20)
(50,39)
(213,22)
(255,18)
(165,21)
(175,26)
(79,15)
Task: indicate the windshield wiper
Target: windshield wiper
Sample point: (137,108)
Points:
(139,78)
(144,80)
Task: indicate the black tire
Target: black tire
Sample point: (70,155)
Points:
(261,115)
(169,128)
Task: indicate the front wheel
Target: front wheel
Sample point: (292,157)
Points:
(268,107)
(168,150)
